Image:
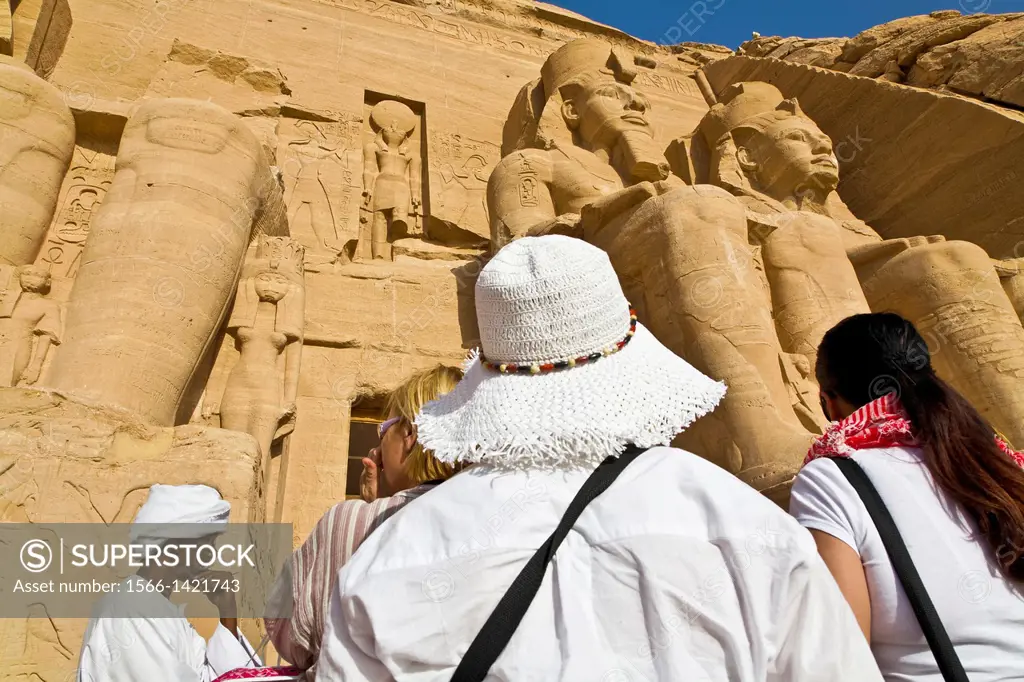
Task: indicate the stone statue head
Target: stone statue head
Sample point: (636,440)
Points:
(34,278)
(271,286)
(585,97)
(393,121)
(762,142)
(594,84)
(274,275)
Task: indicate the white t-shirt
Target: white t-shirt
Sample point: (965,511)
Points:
(677,573)
(981,611)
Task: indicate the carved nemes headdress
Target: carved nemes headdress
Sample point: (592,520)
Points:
(535,120)
(753,105)
(710,151)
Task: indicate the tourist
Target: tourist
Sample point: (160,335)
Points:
(139,634)
(678,571)
(953,487)
(396,472)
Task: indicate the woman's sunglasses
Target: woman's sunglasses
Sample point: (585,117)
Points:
(383,428)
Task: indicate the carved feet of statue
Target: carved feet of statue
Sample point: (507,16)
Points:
(31,375)
(334,246)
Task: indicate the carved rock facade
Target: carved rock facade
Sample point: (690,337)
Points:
(224,249)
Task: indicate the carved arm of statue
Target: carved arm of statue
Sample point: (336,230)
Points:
(292,361)
(414,183)
(600,212)
(370,170)
(521,200)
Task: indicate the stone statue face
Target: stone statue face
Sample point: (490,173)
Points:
(271,286)
(35,281)
(602,110)
(790,156)
(392,135)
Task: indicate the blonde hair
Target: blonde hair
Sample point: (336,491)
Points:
(406,401)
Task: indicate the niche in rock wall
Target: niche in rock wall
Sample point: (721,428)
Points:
(395,193)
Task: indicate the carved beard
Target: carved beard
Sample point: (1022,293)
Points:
(637,157)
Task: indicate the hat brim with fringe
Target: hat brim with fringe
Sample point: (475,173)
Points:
(576,417)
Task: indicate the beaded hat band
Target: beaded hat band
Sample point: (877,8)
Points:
(542,367)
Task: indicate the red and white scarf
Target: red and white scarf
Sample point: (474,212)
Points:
(882,423)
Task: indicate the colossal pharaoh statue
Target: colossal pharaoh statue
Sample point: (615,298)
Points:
(781,166)
(163,257)
(37,139)
(741,278)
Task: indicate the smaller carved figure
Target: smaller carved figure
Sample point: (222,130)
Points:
(803,391)
(391,180)
(314,155)
(29,324)
(267,321)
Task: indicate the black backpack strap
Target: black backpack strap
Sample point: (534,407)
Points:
(945,655)
(503,621)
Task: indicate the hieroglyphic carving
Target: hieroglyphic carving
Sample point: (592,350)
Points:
(319,173)
(267,323)
(460,166)
(676,86)
(29,324)
(452,27)
(392,180)
(85,187)
(447,24)
(163,256)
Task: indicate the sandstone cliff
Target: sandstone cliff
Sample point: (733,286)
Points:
(978,55)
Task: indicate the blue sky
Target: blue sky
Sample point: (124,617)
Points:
(730,22)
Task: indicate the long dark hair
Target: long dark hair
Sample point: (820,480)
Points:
(867,356)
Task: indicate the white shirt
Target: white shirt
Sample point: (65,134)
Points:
(152,649)
(678,572)
(982,613)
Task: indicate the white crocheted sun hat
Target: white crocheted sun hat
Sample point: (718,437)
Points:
(565,375)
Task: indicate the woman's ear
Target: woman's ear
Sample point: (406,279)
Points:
(410,437)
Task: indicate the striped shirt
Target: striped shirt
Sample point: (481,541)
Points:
(311,572)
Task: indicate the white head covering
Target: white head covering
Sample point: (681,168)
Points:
(547,300)
(171,505)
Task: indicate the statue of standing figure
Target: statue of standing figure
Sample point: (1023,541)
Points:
(267,323)
(391,180)
(29,324)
